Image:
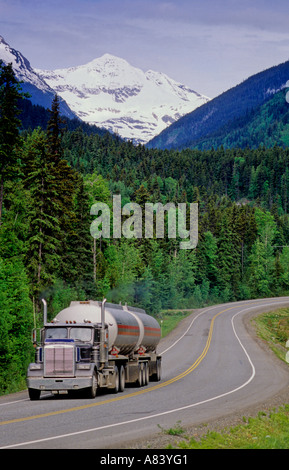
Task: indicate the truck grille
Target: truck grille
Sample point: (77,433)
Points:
(59,360)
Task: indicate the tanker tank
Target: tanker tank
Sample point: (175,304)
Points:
(130,328)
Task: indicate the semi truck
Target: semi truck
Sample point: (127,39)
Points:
(94,345)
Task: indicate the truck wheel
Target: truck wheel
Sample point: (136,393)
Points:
(34,394)
(156,377)
(140,375)
(121,379)
(92,391)
(116,373)
(146,373)
(159,370)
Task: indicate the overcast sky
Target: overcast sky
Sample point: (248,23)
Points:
(209,45)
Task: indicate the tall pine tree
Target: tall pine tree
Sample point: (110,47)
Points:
(43,244)
(52,186)
(10,93)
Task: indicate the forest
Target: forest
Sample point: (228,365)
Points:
(51,173)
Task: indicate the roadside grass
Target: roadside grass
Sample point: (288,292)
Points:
(268,430)
(169,319)
(273,327)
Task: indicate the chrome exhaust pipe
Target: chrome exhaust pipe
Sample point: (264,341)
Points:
(103,349)
(44,311)
(103,314)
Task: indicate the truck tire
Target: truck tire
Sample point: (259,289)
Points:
(156,377)
(116,373)
(146,374)
(121,379)
(140,380)
(92,391)
(159,370)
(34,394)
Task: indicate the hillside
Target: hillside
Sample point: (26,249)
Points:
(33,116)
(217,118)
(266,125)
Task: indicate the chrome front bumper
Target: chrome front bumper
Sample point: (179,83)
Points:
(58,384)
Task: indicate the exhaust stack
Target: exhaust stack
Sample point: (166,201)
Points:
(103,347)
(44,311)
(103,314)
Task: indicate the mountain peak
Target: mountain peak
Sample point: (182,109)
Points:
(40,91)
(106,59)
(2,41)
(9,55)
(111,93)
(113,71)
(108,56)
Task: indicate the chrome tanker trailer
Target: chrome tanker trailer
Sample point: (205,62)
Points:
(94,345)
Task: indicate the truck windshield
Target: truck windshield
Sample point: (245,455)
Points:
(56,333)
(78,334)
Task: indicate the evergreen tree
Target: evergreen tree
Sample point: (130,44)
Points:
(16,323)
(77,259)
(207,259)
(261,268)
(55,131)
(43,243)
(284,262)
(10,93)
(228,258)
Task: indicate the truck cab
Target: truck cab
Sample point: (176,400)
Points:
(66,358)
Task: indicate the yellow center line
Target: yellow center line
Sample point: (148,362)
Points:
(130,395)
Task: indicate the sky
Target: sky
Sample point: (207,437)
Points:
(208,45)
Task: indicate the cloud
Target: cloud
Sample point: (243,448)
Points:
(190,40)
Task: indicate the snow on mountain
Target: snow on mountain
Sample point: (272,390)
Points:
(21,66)
(41,93)
(110,93)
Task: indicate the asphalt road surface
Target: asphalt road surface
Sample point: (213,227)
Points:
(211,367)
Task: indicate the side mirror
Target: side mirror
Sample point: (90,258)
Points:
(36,336)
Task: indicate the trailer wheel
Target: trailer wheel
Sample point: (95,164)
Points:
(140,375)
(146,373)
(121,379)
(156,377)
(159,370)
(34,394)
(116,373)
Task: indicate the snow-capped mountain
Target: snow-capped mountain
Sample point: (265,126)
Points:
(41,93)
(110,93)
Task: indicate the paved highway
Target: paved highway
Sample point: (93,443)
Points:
(211,367)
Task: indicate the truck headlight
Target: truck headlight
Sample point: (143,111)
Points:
(83,366)
(35,366)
